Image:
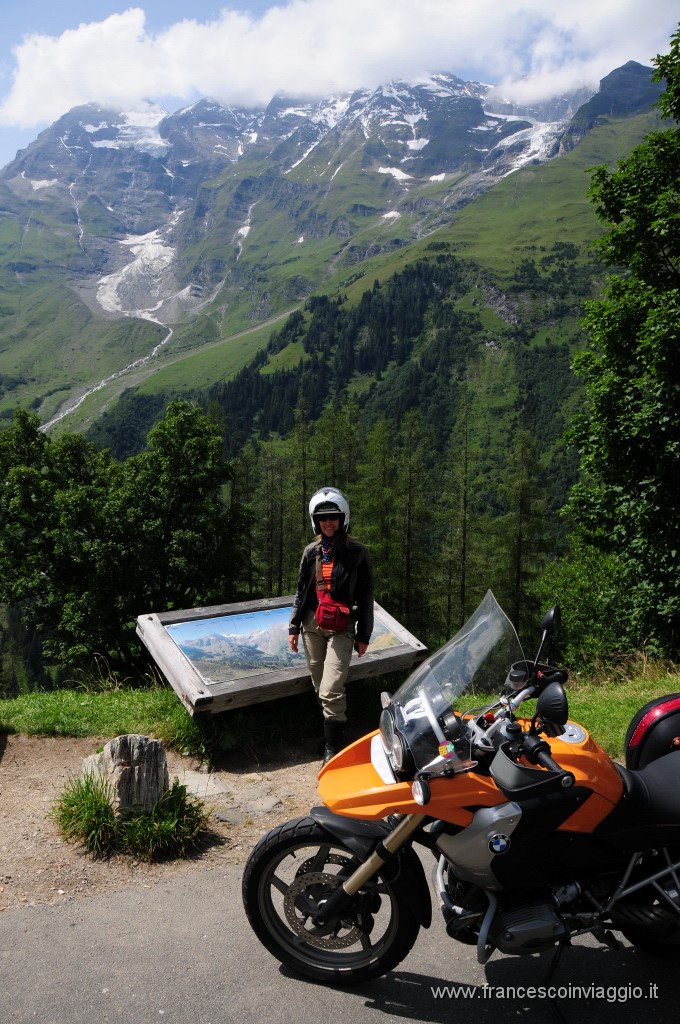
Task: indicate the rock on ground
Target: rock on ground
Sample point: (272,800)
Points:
(136,769)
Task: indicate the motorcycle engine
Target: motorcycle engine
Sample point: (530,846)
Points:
(526,928)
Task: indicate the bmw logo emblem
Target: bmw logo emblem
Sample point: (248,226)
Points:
(499,843)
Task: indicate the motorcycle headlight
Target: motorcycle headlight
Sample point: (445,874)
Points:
(394,744)
(387,731)
(398,751)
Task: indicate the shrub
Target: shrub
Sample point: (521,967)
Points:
(84,813)
(589,587)
(177,824)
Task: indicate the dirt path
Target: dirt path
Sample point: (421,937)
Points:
(38,867)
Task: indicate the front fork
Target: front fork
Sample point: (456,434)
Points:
(385,849)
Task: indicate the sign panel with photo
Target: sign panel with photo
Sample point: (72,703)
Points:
(232,655)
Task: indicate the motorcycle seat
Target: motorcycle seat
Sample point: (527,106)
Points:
(648,813)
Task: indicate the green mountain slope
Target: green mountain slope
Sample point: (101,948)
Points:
(515,224)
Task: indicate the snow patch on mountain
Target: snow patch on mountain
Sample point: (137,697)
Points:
(142,279)
(303,157)
(332,111)
(536,144)
(396,173)
(147,142)
(43,183)
(138,129)
(244,230)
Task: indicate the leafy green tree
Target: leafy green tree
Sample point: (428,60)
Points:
(88,544)
(629,439)
(48,522)
(588,585)
(173,519)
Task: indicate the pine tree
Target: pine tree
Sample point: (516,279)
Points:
(523,528)
(413,546)
(374,502)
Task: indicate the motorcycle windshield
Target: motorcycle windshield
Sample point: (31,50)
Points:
(476,660)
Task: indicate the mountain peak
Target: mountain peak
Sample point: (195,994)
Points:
(625,91)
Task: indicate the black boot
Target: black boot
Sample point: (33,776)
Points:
(333,734)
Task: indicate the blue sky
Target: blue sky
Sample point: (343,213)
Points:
(186,633)
(55,55)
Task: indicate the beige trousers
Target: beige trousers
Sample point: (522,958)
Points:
(328,657)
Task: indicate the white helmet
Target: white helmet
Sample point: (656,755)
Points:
(329,499)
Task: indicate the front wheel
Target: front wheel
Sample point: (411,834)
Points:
(290,873)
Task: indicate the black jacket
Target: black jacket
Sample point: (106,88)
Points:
(351,584)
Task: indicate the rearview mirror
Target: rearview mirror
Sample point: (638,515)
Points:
(552,705)
(552,621)
(549,626)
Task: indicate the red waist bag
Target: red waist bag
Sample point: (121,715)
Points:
(330,615)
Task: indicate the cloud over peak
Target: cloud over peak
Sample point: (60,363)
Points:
(318,47)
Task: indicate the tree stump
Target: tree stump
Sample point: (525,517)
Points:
(136,768)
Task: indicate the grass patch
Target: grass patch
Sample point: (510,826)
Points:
(603,702)
(74,713)
(271,727)
(605,706)
(177,824)
(84,813)
(216,360)
(152,712)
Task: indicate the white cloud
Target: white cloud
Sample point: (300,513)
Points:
(315,47)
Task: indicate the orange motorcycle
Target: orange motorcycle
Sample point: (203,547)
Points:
(537,835)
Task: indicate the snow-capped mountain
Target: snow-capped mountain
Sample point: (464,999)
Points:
(196,141)
(126,179)
(240,214)
(227,655)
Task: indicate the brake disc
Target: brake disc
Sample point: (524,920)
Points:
(325,884)
(331,858)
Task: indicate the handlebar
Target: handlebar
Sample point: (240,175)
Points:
(548,761)
(537,751)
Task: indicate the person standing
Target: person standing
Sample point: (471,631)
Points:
(339,567)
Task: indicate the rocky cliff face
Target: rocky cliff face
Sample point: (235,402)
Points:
(627,91)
